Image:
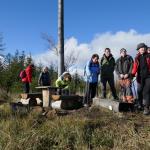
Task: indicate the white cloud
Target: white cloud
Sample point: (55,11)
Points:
(115,41)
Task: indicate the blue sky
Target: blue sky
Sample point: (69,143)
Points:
(23,21)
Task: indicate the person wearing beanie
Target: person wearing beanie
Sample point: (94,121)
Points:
(141,69)
(123,69)
(107,73)
(141,45)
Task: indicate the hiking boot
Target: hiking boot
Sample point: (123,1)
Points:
(116,98)
(140,108)
(146,111)
(85,105)
(103,97)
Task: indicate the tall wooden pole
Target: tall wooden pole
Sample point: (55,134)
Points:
(60,37)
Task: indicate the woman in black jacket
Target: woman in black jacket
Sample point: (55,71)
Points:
(44,78)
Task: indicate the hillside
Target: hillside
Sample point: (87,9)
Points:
(83,129)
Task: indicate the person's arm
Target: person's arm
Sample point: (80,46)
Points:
(58,82)
(113,64)
(131,65)
(116,68)
(49,79)
(88,69)
(68,83)
(99,69)
(40,78)
(29,74)
(135,68)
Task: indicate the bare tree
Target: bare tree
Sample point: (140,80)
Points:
(51,43)
(70,58)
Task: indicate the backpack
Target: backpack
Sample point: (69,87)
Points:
(22,74)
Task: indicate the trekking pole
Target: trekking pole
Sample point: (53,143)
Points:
(134,89)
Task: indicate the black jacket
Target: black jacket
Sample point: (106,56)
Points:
(44,79)
(107,66)
(124,65)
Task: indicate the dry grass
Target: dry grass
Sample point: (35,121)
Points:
(83,129)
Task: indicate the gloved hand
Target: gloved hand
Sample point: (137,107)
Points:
(121,76)
(126,76)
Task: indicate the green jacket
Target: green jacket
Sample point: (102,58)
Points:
(62,83)
(107,66)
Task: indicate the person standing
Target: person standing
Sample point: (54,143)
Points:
(92,70)
(124,66)
(27,78)
(44,78)
(107,73)
(141,69)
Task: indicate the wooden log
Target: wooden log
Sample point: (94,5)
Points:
(67,102)
(46,98)
(71,102)
(65,97)
(31,95)
(113,105)
(55,97)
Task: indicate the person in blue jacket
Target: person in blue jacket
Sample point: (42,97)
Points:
(92,71)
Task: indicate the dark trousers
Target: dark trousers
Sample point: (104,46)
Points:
(63,91)
(140,94)
(26,87)
(111,83)
(146,92)
(90,92)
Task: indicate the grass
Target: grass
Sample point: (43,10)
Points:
(84,129)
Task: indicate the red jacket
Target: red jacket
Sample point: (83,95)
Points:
(136,66)
(28,78)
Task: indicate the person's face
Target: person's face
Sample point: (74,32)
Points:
(46,69)
(123,53)
(66,79)
(95,60)
(142,50)
(107,53)
(148,50)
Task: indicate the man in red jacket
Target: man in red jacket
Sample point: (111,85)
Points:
(28,78)
(141,69)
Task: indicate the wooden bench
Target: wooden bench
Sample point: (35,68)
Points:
(31,95)
(31,98)
(47,91)
(67,102)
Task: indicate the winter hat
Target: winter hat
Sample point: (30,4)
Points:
(141,45)
(123,49)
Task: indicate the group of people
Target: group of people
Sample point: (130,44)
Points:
(125,67)
(63,82)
